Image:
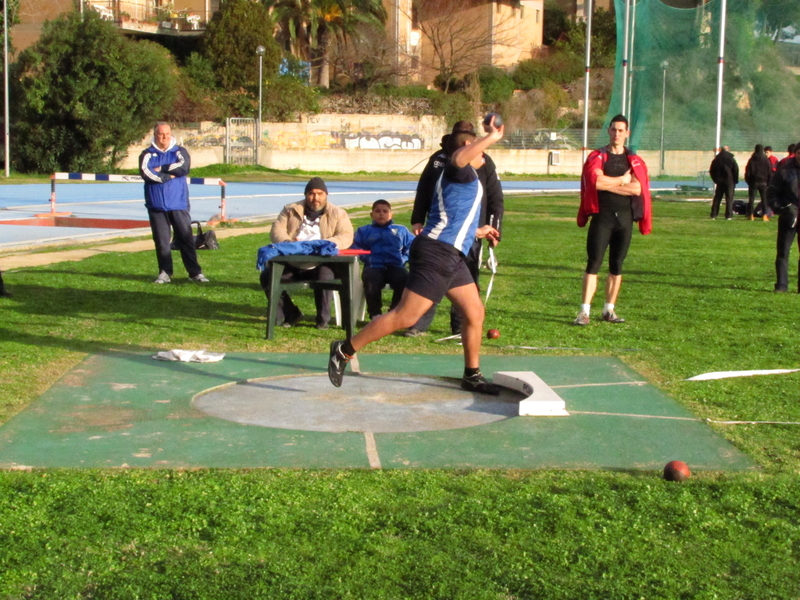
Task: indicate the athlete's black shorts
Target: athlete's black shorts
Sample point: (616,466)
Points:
(610,229)
(434,268)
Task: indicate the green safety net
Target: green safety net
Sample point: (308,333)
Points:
(673,70)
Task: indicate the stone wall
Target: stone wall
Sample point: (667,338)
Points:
(387,143)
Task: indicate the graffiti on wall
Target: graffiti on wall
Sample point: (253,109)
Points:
(320,140)
(293,138)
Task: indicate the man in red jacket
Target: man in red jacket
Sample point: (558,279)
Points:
(615,192)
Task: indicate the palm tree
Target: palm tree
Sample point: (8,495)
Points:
(309,27)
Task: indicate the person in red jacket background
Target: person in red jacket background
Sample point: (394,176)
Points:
(615,193)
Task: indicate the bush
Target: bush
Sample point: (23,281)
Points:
(406,91)
(84,93)
(200,70)
(496,85)
(454,107)
(231,40)
(559,66)
(286,97)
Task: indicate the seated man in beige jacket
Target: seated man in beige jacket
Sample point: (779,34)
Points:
(312,219)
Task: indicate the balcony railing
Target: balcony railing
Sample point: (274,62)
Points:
(138,16)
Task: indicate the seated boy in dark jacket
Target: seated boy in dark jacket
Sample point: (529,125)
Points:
(388,245)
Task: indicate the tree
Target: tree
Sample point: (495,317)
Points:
(13,19)
(231,40)
(84,93)
(556,22)
(366,59)
(775,15)
(458,42)
(310,26)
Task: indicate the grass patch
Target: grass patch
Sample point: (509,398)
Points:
(697,296)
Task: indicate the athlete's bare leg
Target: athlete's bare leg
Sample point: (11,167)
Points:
(411,307)
(613,284)
(468,301)
(589,287)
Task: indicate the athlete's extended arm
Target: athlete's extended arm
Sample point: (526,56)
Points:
(466,154)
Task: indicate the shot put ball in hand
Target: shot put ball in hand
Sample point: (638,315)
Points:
(498,120)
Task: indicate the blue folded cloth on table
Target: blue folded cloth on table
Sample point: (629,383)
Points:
(311,247)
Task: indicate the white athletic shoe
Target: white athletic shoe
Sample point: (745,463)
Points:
(162,278)
(199,278)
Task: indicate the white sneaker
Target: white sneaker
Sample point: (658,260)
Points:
(162,278)
(199,278)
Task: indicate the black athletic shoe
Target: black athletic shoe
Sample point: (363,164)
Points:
(478,383)
(336,364)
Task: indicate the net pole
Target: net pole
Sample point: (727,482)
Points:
(586,82)
(630,66)
(625,57)
(7,137)
(718,140)
(664,66)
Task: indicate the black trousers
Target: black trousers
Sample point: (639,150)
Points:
(162,224)
(2,285)
(322,298)
(721,189)
(610,230)
(473,263)
(761,188)
(787,230)
(374,279)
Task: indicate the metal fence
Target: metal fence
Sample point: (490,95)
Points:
(648,139)
(240,142)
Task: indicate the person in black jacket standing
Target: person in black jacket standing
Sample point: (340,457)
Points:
(724,173)
(783,195)
(4,293)
(757,174)
(491,214)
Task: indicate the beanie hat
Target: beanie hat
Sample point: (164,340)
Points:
(316,183)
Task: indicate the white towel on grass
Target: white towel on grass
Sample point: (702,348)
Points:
(190,356)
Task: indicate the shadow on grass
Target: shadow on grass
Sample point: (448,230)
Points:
(143,355)
(139,306)
(179,279)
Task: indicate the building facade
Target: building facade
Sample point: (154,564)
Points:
(427,37)
(466,33)
(137,17)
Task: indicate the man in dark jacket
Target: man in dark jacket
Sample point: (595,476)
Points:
(783,195)
(164,166)
(4,293)
(491,214)
(724,173)
(757,174)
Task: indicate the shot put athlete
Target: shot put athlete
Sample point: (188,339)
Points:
(437,267)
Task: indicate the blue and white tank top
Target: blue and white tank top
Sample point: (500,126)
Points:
(456,207)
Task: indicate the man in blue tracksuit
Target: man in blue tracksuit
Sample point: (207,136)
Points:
(388,244)
(164,166)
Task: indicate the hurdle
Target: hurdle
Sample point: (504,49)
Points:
(125,179)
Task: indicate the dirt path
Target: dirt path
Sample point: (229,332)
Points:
(34,257)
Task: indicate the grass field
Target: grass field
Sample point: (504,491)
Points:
(697,296)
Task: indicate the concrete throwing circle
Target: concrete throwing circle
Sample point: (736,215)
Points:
(376,403)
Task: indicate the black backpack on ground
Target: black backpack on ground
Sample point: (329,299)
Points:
(202,241)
